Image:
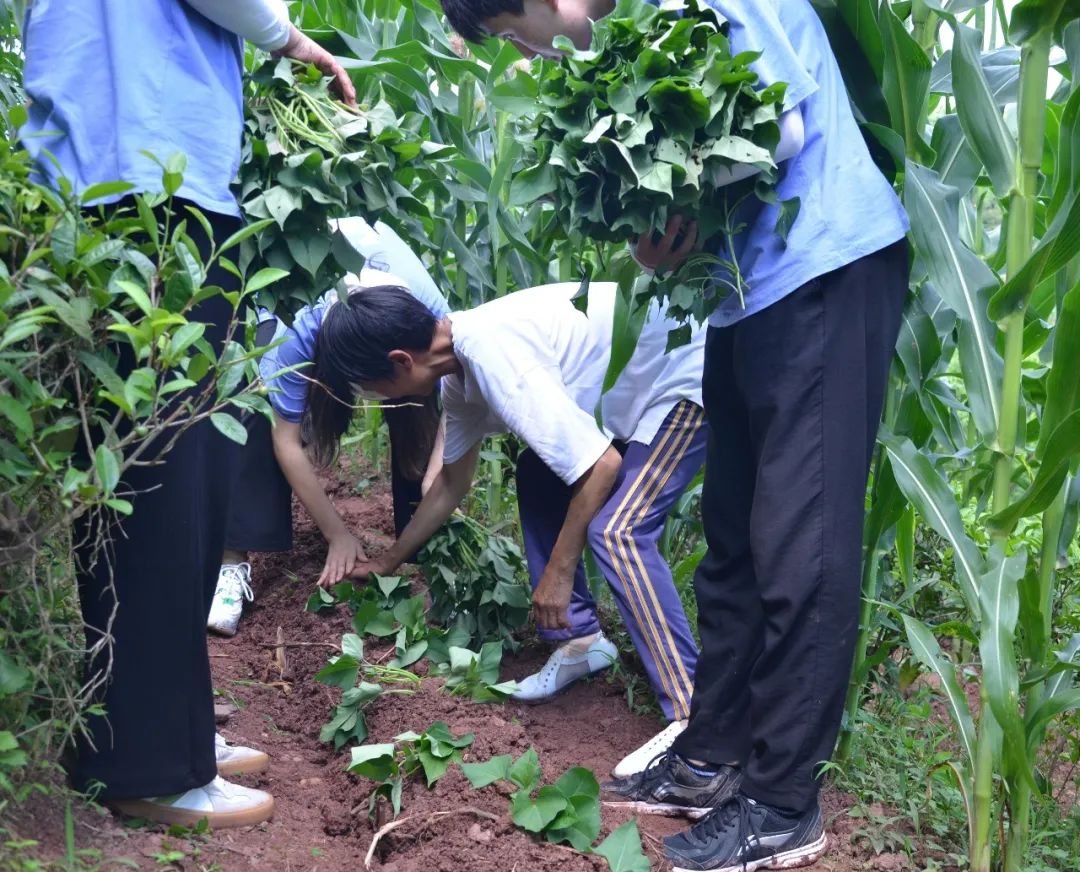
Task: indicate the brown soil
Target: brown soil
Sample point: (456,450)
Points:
(321,820)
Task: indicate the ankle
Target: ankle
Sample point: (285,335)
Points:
(580,645)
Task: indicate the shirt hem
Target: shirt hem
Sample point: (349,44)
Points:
(791,280)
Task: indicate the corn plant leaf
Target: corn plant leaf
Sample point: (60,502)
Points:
(1061,447)
(935,502)
(1000,608)
(926,648)
(1067,171)
(1063,381)
(964,282)
(906,81)
(1056,249)
(956,163)
(982,120)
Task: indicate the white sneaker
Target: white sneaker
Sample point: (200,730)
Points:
(221,802)
(236,759)
(233,587)
(562,670)
(636,761)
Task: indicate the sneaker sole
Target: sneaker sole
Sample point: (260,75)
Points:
(793,859)
(255,763)
(220,630)
(659,808)
(221,820)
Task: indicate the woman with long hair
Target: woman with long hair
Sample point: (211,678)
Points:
(305,373)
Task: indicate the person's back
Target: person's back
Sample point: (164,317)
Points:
(847,207)
(503,343)
(109,79)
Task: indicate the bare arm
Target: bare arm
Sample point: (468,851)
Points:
(446,493)
(345,549)
(435,461)
(552,595)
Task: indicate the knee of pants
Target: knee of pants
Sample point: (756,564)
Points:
(606,537)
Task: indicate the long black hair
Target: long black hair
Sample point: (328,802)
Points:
(353,346)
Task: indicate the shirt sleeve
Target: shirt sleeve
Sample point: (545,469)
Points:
(756,27)
(466,424)
(530,398)
(288,394)
(264,23)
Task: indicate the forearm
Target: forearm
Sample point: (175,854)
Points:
(301,476)
(264,23)
(444,495)
(590,493)
(435,463)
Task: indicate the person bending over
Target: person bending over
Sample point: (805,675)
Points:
(532,364)
(275,463)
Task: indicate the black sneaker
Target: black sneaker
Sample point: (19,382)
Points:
(742,835)
(668,786)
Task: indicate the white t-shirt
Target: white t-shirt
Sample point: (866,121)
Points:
(533,365)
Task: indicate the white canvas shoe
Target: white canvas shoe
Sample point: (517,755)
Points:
(636,761)
(563,669)
(236,759)
(233,587)
(221,802)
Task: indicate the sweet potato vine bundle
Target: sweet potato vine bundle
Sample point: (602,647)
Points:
(308,159)
(646,124)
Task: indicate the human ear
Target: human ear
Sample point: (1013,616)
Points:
(401,358)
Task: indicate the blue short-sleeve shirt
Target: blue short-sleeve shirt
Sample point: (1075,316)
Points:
(848,208)
(109,79)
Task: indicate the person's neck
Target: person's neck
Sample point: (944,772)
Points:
(441,355)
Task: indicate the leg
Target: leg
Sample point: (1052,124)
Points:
(729,614)
(815,372)
(260,510)
(542,502)
(405,493)
(625,540)
(154,581)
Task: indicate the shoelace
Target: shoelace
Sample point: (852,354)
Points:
(238,580)
(657,765)
(735,812)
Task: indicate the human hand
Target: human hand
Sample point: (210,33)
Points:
(654,255)
(551,599)
(346,554)
(302,48)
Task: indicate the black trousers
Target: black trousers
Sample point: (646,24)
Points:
(260,513)
(157,736)
(793,395)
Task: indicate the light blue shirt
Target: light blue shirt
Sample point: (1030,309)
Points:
(109,79)
(848,208)
(388,260)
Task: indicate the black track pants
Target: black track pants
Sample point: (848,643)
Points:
(157,737)
(793,396)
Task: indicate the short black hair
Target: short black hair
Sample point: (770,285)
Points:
(467,17)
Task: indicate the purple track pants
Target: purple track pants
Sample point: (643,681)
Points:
(624,537)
